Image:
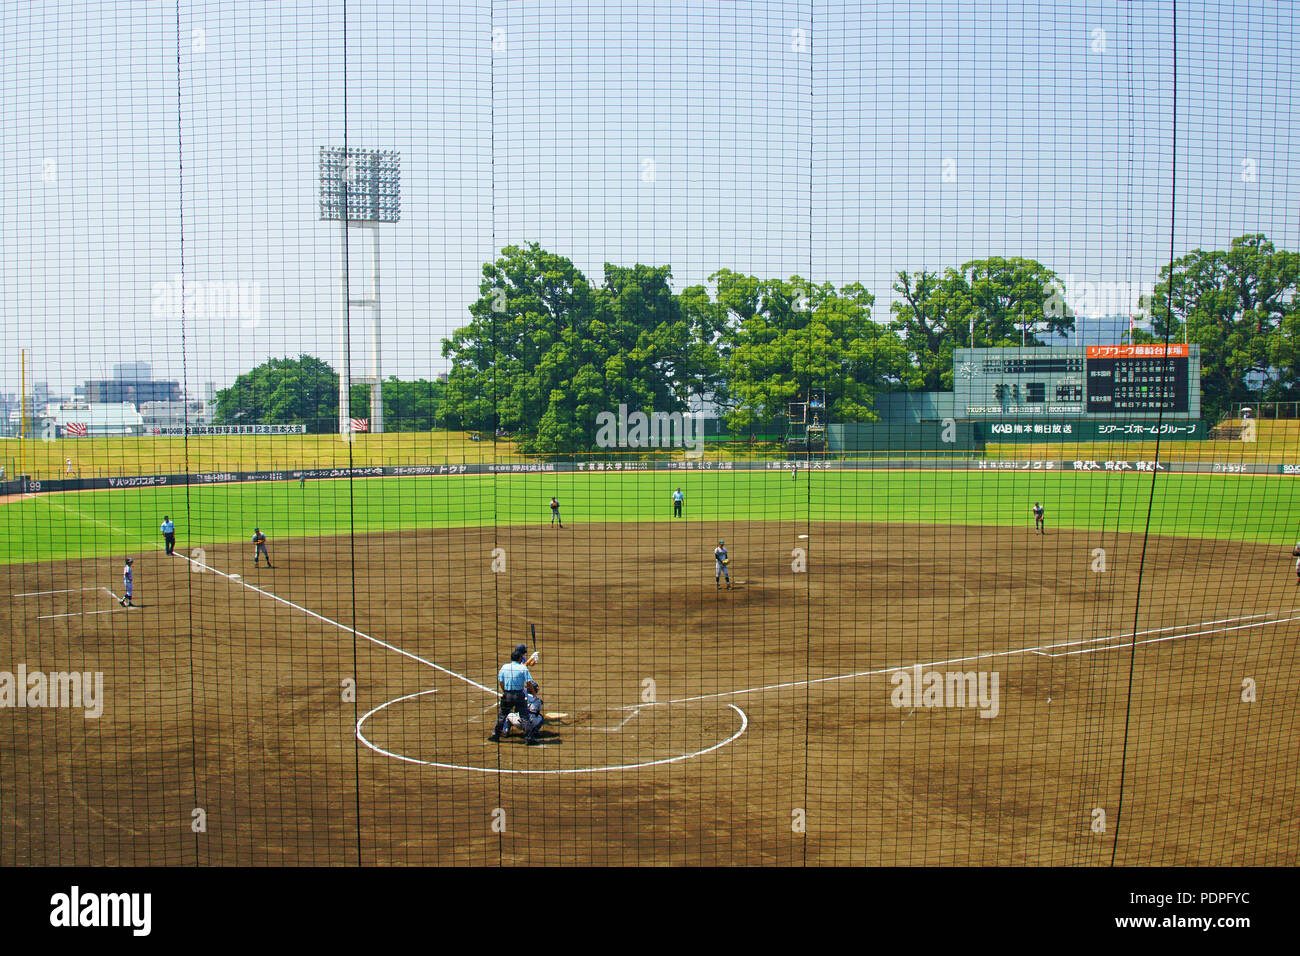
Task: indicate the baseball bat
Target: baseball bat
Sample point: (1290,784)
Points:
(535,656)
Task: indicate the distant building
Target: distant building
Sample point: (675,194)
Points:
(133,371)
(115,391)
(90,419)
(175,414)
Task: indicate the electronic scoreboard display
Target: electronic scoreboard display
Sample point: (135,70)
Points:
(1139,379)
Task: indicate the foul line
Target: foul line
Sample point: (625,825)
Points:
(206,568)
(63,591)
(1011,653)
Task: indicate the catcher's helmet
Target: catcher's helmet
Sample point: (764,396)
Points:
(519,653)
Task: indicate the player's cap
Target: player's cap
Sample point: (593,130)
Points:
(130,560)
(519,653)
(722,544)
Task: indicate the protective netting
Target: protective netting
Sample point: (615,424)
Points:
(720,355)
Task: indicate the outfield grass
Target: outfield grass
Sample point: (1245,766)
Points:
(86,524)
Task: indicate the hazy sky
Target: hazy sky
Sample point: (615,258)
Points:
(841,141)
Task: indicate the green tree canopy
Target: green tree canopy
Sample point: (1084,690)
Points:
(556,352)
(283,391)
(788,336)
(986,303)
(1240,306)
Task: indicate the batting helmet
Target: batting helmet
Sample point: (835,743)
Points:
(519,653)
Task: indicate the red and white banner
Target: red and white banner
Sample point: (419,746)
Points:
(360,424)
(75,429)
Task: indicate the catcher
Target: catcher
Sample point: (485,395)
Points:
(720,562)
(530,720)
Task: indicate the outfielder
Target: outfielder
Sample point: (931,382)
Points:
(1039,525)
(555,512)
(514,679)
(720,562)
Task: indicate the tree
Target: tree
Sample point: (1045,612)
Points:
(1240,306)
(986,303)
(555,352)
(283,391)
(792,335)
(505,362)
(409,406)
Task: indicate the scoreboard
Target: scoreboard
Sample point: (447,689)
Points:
(1095,381)
(1137,379)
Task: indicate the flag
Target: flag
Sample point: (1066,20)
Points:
(360,424)
(75,429)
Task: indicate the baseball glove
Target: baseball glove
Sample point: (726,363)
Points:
(726,560)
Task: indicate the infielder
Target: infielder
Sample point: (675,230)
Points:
(514,679)
(1296,554)
(677,503)
(168,528)
(720,562)
(259,542)
(1039,526)
(555,512)
(128,584)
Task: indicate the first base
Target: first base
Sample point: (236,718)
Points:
(234,577)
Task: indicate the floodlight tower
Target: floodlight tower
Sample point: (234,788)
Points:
(359,189)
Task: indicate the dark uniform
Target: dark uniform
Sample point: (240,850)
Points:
(514,679)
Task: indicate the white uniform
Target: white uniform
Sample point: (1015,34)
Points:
(719,568)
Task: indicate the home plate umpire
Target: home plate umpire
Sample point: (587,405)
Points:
(514,678)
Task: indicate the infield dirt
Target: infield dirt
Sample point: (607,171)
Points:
(229,708)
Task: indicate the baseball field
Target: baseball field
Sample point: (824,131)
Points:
(1110,690)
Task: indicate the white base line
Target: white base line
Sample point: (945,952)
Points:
(614,730)
(342,627)
(64,591)
(111,610)
(991,654)
(1178,637)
